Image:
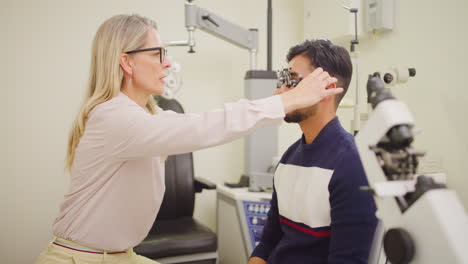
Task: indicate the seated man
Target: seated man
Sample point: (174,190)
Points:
(318,213)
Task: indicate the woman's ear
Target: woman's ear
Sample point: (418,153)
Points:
(126,64)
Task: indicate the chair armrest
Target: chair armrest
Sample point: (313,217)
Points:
(201,183)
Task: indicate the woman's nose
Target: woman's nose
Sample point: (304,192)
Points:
(166,63)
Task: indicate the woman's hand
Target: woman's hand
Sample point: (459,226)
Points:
(311,90)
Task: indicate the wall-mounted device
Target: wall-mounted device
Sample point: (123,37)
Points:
(380,15)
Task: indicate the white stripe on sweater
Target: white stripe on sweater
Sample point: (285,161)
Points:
(303,195)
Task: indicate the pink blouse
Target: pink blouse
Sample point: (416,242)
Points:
(117,178)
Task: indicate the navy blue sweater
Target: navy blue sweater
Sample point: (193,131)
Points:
(318,214)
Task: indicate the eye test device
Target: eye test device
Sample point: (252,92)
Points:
(261,146)
(288,78)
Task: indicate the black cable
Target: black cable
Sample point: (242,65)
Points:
(355,40)
(269,35)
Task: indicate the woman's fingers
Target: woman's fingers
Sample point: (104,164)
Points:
(332,91)
(311,90)
(330,80)
(323,76)
(320,74)
(316,72)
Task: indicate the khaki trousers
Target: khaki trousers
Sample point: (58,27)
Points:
(55,254)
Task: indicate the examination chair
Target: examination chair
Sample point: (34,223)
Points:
(176,237)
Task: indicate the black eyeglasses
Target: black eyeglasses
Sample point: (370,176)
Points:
(288,77)
(162,52)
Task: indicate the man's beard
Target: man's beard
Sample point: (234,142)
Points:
(300,115)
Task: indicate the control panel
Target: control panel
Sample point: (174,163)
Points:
(256,214)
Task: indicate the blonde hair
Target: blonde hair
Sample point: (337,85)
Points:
(115,36)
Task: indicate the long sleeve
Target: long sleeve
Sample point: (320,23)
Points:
(131,133)
(117,177)
(272,232)
(353,218)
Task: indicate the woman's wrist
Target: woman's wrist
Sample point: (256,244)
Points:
(288,102)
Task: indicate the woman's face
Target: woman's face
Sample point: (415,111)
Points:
(148,70)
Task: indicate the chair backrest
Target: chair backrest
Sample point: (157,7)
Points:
(179,198)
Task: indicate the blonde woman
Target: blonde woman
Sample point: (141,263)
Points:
(119,140)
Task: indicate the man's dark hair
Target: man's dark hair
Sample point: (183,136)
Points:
(332,58)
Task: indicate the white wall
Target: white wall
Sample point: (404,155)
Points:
(432,37)
(46,48)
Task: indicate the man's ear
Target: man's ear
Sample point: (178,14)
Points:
(333,85)
(126,64)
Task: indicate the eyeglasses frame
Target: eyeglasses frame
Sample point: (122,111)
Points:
(162,52)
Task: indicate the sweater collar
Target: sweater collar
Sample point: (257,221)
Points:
(327,134)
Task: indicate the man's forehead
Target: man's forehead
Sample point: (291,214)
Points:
(300,64)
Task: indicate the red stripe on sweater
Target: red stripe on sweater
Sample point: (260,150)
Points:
(305,230)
